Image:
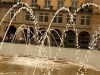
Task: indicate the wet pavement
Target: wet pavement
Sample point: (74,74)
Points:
(91,57)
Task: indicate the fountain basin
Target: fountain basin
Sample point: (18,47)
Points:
(29,65)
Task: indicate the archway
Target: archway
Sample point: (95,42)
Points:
(31,34)
(55,37)
(10,33)
(70,38)
(41,34)
(11,30)
(84,39)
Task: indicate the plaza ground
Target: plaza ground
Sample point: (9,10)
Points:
(92,57)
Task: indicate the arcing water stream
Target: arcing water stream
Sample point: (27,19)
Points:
(41,39)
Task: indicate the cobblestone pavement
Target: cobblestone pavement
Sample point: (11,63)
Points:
(92,56)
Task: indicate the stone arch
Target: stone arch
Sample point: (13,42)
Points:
(10,34)
(70,38)
(11,30)
(31,34)
(41,33)
(83,39)
(56,36)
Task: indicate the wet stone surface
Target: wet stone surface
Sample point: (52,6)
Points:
(30,65)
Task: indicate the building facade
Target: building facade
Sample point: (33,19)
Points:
(78,32)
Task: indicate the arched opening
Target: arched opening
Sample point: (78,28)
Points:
(10,33)
(70,37)
(41,34)
(55,37)
(29,36)
(84,39)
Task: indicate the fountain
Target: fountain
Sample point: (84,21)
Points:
(38,62)
(95,38)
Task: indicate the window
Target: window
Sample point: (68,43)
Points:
(74,20)
(60,4)
(47,3)
(68,20)
(34,3)
(88,20)
(31,19)
(11,14)
(15,1)
(58,18)
(74,5)
(55,19)
(43,17)
(82,20)
(85,20)
(46,17)
(28,16)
